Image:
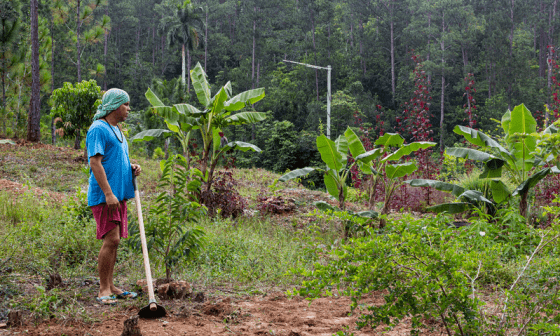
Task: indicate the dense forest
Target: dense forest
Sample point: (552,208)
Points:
(397,65)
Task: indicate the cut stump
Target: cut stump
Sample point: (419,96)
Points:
(15,319)
(131,327)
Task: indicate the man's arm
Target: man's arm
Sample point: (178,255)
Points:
(101,178)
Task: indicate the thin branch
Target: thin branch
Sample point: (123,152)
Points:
(541,245)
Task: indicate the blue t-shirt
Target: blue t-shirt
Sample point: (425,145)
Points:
(101,140)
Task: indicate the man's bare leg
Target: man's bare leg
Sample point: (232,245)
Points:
(114,289)
(106,261)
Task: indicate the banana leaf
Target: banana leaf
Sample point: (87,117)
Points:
(219,101)
(295,174)
(354,144)
(242,146)
(407,149)
(552,129)
(499,191)
(521,121)
(400,170)
(438,185)
(468,153)
(390,139)
(478,138)
(370,155)
(367,214)
(216,139)
(153,99)
(342,146)
(474,196)
(243,99)
(450,208)
(331,184)
(530,182)
(329,153)
(188,109)
(324,206)
(201,86)
(245,118)
(493,168)
(149,135)
(366,168)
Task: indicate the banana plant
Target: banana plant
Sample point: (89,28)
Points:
(381,163)
(518,156)
(465,199)
(334,154)
(215,116)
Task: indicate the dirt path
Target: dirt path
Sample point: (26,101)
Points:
(273,314)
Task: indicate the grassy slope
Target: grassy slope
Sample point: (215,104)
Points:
(43,235)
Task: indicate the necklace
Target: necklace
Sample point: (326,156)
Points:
(111,127)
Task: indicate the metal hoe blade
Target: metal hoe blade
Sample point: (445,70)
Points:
(151,311)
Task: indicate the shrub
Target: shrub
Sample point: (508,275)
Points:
(158,154)
(170,230)
(429,270)
(223,199)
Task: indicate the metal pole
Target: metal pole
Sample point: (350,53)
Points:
(329,101)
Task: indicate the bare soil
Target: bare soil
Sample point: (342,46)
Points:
(273,314)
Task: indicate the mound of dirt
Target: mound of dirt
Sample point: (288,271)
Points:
(220,309)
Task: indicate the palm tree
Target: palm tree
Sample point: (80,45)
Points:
(183,27)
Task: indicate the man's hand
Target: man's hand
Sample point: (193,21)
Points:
(136,168)
(112,203)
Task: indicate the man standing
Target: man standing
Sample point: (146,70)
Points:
(110,185)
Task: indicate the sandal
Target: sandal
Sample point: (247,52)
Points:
(127,295)
(107,300)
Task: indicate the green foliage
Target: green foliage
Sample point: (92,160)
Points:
(46,303)
(77,207)
(158,154)
(182,24)
(429,270)
(279,143)
(216,116)
(519,156)
(170,229)
(75,107)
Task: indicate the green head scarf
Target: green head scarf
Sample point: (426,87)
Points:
(111,101)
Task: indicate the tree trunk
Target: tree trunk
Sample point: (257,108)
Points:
(429,42)
(523,204)
(4,70)
(315,54)
(154,45)
(206,38)
(78,24)
(183,76)
(253,136)
(34,118)
(393,86)
(53,133)
(442,106)
(189,70)
(78,140)
(105,43)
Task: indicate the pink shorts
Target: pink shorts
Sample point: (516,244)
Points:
(106,223)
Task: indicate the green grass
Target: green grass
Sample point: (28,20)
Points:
(39,236)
